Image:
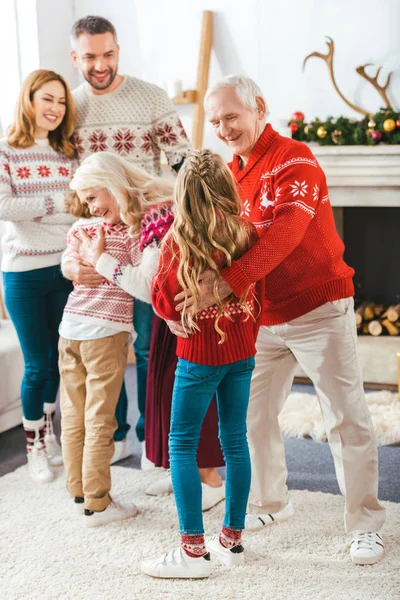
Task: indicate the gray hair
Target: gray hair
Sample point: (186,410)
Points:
(91,25)
(246,90)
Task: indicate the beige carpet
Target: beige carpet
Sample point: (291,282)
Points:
(301,417)
(46,553)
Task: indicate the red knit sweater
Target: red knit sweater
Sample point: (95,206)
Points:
(203,346)
(284,194)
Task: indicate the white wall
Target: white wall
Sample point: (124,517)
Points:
(265,39)
(54,21)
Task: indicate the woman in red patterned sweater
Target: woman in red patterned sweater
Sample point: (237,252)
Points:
(217,356)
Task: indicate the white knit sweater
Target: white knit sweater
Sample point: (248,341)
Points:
(136,121)
(33,184)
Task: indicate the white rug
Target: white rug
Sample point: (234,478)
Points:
(301,417)
(46,553)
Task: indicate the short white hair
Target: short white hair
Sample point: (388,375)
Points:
(246,90)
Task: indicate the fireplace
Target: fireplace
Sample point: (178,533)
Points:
(364,190)
(372,239)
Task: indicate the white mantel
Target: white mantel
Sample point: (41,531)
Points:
(361,175)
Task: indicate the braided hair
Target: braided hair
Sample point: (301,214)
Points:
(207,228)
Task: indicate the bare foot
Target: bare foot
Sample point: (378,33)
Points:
(211,477)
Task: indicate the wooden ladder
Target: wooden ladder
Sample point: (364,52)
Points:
(196,96)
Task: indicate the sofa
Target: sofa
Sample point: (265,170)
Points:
(11,372)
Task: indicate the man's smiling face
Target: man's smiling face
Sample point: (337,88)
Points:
(234,124)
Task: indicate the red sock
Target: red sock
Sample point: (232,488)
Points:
(193,545)
(229,538)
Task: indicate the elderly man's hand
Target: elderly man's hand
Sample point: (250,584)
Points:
(177,329)
(82,273)
(206,298)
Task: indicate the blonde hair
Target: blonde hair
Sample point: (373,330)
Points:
(21,133)
(134,190)
(207,228)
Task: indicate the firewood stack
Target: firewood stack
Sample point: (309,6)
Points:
(378,319)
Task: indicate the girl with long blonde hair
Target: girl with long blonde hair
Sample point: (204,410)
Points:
(217,356)
(36,164)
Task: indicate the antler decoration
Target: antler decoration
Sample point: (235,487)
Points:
(328,58)
(381,89)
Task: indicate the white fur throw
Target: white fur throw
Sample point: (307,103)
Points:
(301,417)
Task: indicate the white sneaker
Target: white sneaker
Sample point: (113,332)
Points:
(145,463)
(229,556)
(258,521)
(177,564)
(53,450)
(160,487)
(122,450)
(38,465)
(115,511)
(366,548)
(211,496)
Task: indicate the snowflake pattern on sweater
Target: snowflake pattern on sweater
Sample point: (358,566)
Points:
(137,121)
(33,184)
(300,254)
(107,304)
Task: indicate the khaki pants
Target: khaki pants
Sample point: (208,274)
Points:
(91,378)
(324,343)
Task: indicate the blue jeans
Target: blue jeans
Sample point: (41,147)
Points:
(142,322)
(194,388)
(35,301)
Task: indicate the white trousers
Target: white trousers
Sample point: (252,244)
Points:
(324,343)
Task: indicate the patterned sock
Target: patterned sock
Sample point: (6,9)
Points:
(49,414)
(34,437)
(194,545)
(229,538)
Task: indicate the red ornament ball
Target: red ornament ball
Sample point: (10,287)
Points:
(398,123)
(293,127)
(376,135)
(297,116)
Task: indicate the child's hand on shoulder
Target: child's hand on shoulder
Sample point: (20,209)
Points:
(91,248)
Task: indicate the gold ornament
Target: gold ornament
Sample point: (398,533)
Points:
(336,135)
(371,123)
(389,125)
(369,132)
(307,129)
(321,132)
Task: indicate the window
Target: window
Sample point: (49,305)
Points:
(18,50)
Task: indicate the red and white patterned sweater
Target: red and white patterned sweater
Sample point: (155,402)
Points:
(33,184)
(203,346)
(106,305)
(137,121)
(284,194)
(136,280)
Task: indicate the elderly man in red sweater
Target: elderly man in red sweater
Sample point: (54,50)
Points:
(308,313)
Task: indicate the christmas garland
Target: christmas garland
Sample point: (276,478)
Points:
(383,127)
